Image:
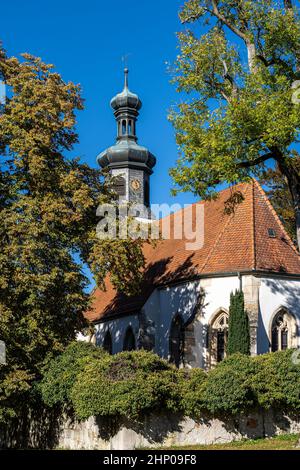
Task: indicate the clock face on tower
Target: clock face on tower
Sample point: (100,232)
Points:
(135,185)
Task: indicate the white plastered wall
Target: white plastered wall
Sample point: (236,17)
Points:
(165,303)
(275,293)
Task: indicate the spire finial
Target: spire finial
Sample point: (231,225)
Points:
(126,71)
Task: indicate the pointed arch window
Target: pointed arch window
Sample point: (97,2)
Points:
(129,340)
(218,335)
(283,331)
(177,341)
(107,343)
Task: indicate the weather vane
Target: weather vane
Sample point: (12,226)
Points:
(125,59)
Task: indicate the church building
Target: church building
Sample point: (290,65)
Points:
(181,312)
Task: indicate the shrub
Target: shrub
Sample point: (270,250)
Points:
(191,391)
(62,372)
(238,330)
(228,386)
(131,384)
(128,384)
(277,381)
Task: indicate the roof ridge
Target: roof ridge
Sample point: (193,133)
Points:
(203,201)
(267,200)
(217,239)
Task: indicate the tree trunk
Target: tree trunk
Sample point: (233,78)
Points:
(251,56)
(298,227)
(293,180)
(288,4)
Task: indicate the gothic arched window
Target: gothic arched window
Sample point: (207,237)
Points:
(218,334)
(177,341)
(129,340)
(107,343)
(283,331)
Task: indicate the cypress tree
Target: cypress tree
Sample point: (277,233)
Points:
(238,332)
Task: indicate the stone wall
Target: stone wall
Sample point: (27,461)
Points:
(153,431)
(251,285)
(173,430)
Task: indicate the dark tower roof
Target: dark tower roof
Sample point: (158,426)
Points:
(126,153)
(126,99)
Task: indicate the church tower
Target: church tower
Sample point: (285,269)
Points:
(130,163)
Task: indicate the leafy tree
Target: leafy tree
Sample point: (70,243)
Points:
(242,74)
(48,221)
(238,329)
(280,197)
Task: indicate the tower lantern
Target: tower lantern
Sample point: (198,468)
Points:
(130,163)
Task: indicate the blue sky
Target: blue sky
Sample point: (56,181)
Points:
(86,41)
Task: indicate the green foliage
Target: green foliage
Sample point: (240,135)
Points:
(238,331)
(240,72)
(192,384)
(277,381)
(132,384)
(241,383)
(280,197)
(48,203)
(127,384)
(59,377)
(228,387)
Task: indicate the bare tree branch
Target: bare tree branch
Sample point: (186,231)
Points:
(288,4)
(218,88)
(249,44)
(229,78)
(258,160)
(190,19)
(215,11)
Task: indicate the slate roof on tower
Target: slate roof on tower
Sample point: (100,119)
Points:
(236,242)
(126,152)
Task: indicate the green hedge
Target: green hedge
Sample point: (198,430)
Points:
(62,373)
(127,384)
(277,381)
(228,386)
(192,382)
(131,384)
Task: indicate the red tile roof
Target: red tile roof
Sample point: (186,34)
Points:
(236,242)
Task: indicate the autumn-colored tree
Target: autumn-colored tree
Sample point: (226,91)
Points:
(48,221)
(279,194)
(242,73)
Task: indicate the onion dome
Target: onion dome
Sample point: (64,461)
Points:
(126,99)
(126,153)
